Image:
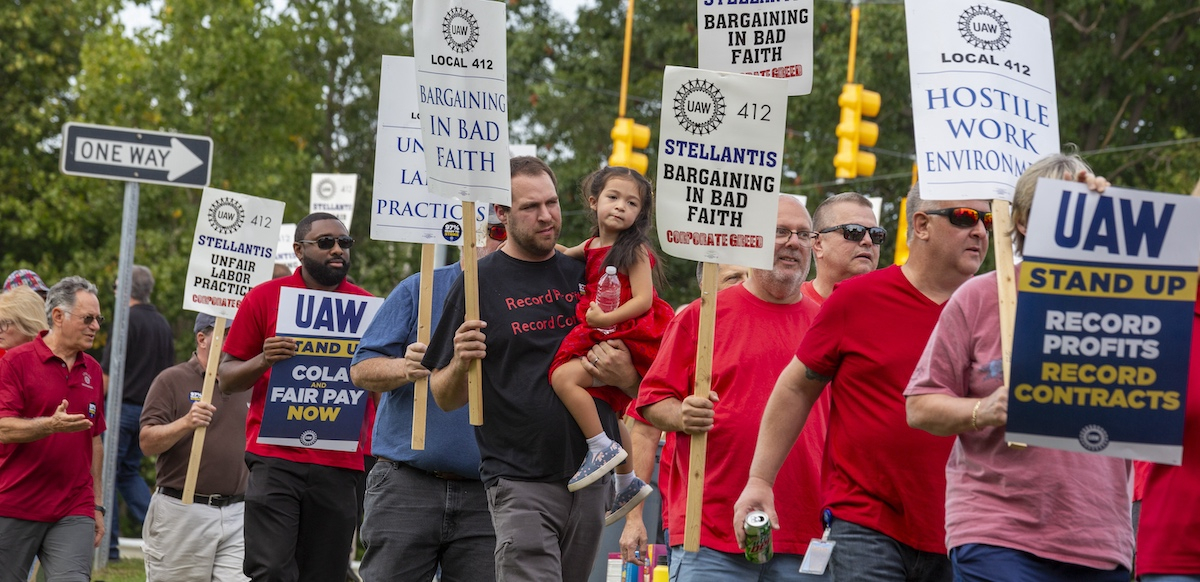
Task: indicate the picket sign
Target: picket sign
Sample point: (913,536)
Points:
(699,444)
(210,380)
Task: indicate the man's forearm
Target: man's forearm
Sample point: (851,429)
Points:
(381,374)
(24,430)
(666,415)
(98,469)
(234,375)
(157,439)
(449,386)
(787,410)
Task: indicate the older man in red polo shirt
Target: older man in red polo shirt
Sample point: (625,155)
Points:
(51,417)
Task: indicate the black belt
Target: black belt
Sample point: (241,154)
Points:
(210,500)
(444,475)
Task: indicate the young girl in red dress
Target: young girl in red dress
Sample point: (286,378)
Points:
(620,200)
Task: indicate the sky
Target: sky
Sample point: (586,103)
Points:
(135,16)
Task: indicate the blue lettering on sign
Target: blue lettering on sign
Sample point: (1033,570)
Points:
(331,314)
(1103,225)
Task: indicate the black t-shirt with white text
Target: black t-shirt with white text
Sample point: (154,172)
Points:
(527,433)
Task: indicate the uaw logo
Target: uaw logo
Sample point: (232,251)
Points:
(452,231)
(326,188)
(461,30)
(308,438)
(91,410)
(984,28)
(1094,438)
(225,215)
(699,107)
(87,379)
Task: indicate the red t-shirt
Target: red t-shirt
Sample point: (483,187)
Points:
(753,342)
(878,472)
(50,478)
(810,291)
(1169,530)
(255,322)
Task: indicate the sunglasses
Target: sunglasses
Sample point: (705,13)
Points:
(856,232)
(326,242)
(89,319)
(964,217)
(497,232)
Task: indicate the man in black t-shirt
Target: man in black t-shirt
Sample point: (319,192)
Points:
(529,444)
(149,349)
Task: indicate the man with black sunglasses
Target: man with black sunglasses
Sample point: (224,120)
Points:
(426,509)
(885,495)
(301,507)
(847,242)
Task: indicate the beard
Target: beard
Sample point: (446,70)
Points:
(324,274)
(530,243)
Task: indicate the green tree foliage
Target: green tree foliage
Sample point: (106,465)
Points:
(289,89)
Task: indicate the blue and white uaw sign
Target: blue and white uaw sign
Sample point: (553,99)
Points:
(310,400)
(233,250)
(1104,317)
(720,154)
(462,94)
(984,100)
(402,207)
(136,155)
(334,193)
(765,39)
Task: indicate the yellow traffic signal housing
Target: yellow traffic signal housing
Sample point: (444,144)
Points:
(853,132)
(626,136)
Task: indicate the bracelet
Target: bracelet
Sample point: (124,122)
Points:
(102,510)
(975,415)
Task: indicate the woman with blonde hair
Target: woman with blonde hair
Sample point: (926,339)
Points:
(22,317)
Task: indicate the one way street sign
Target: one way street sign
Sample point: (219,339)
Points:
(134,155)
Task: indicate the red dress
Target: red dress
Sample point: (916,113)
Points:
(640,334)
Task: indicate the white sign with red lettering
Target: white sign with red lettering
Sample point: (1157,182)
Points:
(720,155)
(766,39)
(233,250)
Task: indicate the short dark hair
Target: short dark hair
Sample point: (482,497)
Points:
(305,225)
(818,217)
(531,166)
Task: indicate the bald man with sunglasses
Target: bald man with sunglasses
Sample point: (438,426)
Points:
(846,243)
(884,486)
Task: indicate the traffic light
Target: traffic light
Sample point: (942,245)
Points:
(853,132)
(626,136)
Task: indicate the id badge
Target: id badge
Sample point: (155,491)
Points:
(816,559)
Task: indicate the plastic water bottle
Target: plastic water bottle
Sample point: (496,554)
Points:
(608,293)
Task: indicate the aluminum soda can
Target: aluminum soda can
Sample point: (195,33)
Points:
(758,537)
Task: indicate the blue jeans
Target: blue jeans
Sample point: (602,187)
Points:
(709,565)
(416,522)
(986,563)
(130,485)
(864,554)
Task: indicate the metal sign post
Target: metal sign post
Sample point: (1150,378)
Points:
(134,156)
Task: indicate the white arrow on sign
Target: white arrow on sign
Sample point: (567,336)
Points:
(176,160)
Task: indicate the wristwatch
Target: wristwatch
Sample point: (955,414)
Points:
(102,510)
